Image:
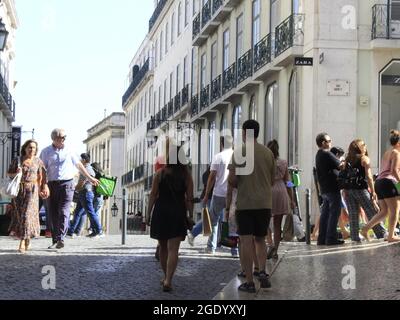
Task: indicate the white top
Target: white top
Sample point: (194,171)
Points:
(220,165)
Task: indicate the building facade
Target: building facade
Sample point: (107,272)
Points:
(105,143)
(157,96)
(248,69)
(299,67)
(9,137)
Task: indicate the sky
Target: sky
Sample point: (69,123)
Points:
(72,60)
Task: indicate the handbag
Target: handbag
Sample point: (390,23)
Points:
(226,240)
(288,228)
(106,186)
(11,188)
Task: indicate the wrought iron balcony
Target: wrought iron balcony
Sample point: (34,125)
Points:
(185,95)
(205,97)
(196,26)
(177,102)
(195,105)
(262,53)
(216,89)
(8,100)
(127,178)
(138,173)
(386,21)
(136,81)
(289,33)
(206,13)
(229,79)
(216,5)
(170,107)
(245,66)
(160,6)
(148,183)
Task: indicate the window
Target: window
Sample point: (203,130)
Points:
(203,70)
(226,57)
(185,71)
(253,109)
(178,80)
(293,157)
(236,122)
(296,7)
(141,108)
(271,113)
(161,45)
(150,97)
(211,141)
(166,37)
(156,52)
(159,97)
(194,6)
(194,72)
(274,22)
(172,28)
(223,125)
(165,92)
(214,58)
(239,36)
(186,12)
(171,85)
(256,21)
(179,18)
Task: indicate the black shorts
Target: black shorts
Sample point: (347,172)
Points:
(253,222)
(385,189)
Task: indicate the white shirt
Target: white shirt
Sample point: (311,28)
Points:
(220,165)
(59,163)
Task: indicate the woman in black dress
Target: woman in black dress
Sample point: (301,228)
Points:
(171,196)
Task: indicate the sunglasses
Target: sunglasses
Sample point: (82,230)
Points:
(328,141)
(62,138)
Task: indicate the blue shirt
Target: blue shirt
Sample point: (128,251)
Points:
(59,163)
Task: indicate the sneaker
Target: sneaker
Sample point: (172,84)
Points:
(71,236)
(91,235)
(53,246)
(99,235)
(190,239)
(264,280)
(247,287)
(60,244)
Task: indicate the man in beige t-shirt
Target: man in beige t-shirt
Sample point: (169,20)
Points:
(253,170)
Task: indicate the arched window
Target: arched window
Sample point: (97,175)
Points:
(253,109)
(236,122)
(223,124)
(293,157)
(271,113)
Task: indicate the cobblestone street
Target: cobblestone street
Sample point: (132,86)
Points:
(103,269)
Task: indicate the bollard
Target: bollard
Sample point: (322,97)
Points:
(123,218)
(308,219)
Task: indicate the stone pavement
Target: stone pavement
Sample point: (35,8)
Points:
(326,273)
(102,269)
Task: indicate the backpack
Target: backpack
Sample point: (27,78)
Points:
(350,178)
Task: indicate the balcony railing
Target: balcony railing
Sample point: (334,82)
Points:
(196,26)
(289,33)
(127,178)
(160,6)
(170,108)
(185,95)
(195,105)
(262,53)
(148,183)
(5,93)
(136,81)
(204,97)
(164,114)
(229,79)
(216,5)
(177,102)
(386,21)
(245,66)
(216,89)
(206,13)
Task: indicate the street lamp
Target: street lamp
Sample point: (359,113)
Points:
(114,210)
(3,35)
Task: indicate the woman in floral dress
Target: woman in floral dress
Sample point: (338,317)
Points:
(26,205)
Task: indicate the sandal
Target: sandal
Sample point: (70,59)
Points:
(166,288)
(256,272)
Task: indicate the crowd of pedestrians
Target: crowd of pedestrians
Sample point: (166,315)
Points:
(253,202)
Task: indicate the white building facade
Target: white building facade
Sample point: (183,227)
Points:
(105,144)
(247,70)
(9,138)
(243,58)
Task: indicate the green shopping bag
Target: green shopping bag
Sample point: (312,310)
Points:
(226,240)
(106,186)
